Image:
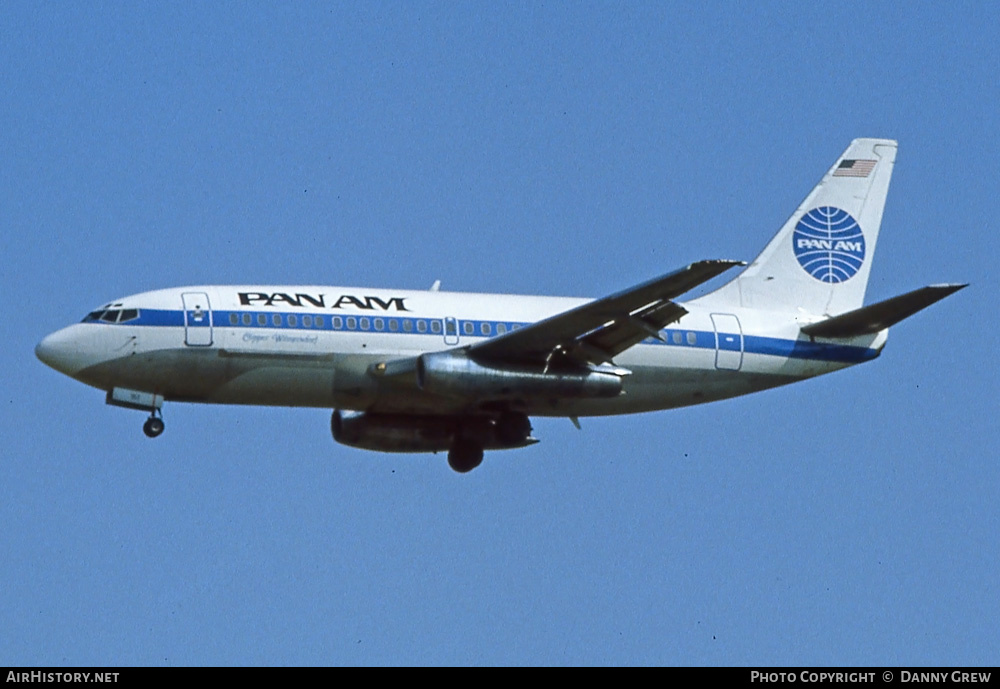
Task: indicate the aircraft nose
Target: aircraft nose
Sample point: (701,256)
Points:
(61,351)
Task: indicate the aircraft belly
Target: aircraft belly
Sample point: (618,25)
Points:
(171,372)
(651,389)
(210,375)
(283,385)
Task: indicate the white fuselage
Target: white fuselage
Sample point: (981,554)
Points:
(313,346)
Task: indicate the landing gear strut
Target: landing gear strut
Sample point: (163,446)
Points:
(153,426)
(465,455)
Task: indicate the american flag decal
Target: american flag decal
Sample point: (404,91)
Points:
(854,168)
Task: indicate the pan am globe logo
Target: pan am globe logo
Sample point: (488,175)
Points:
(829,244)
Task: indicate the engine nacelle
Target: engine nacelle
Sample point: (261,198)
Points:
(427,433)
(453,374)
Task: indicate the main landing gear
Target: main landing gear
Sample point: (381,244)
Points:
(465,455)
(510,429)
(153,426)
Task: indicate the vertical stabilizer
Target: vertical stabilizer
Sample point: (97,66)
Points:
(820,259)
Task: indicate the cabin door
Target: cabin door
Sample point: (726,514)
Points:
(197,319)
(450,331)
(728,342)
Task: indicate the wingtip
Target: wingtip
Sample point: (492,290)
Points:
(950,287)
(724,263)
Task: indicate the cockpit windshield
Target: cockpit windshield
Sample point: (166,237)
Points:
(111,316)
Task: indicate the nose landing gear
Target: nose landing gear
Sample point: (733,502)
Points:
(143,401)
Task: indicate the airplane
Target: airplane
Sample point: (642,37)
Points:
(432,371)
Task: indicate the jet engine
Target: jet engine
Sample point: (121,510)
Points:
(453,374)
(428,433)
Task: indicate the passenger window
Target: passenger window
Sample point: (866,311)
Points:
(468,327)
(293,320)
(485,329)
(234,319)
(379,324)
(319,321)
(676,337)
(692,338)
(421,326)
(276,319)
(436,327)
(307,321)
(246,319)
(407,325)
(365,324)
(393,325)
(501,328)
(261,319)
(352,323)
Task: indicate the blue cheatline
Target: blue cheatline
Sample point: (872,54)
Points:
(700,339)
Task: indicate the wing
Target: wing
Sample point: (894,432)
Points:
(597,331)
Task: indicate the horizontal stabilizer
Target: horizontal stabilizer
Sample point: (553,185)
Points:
(871,319)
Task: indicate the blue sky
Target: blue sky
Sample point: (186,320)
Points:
(565,149)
